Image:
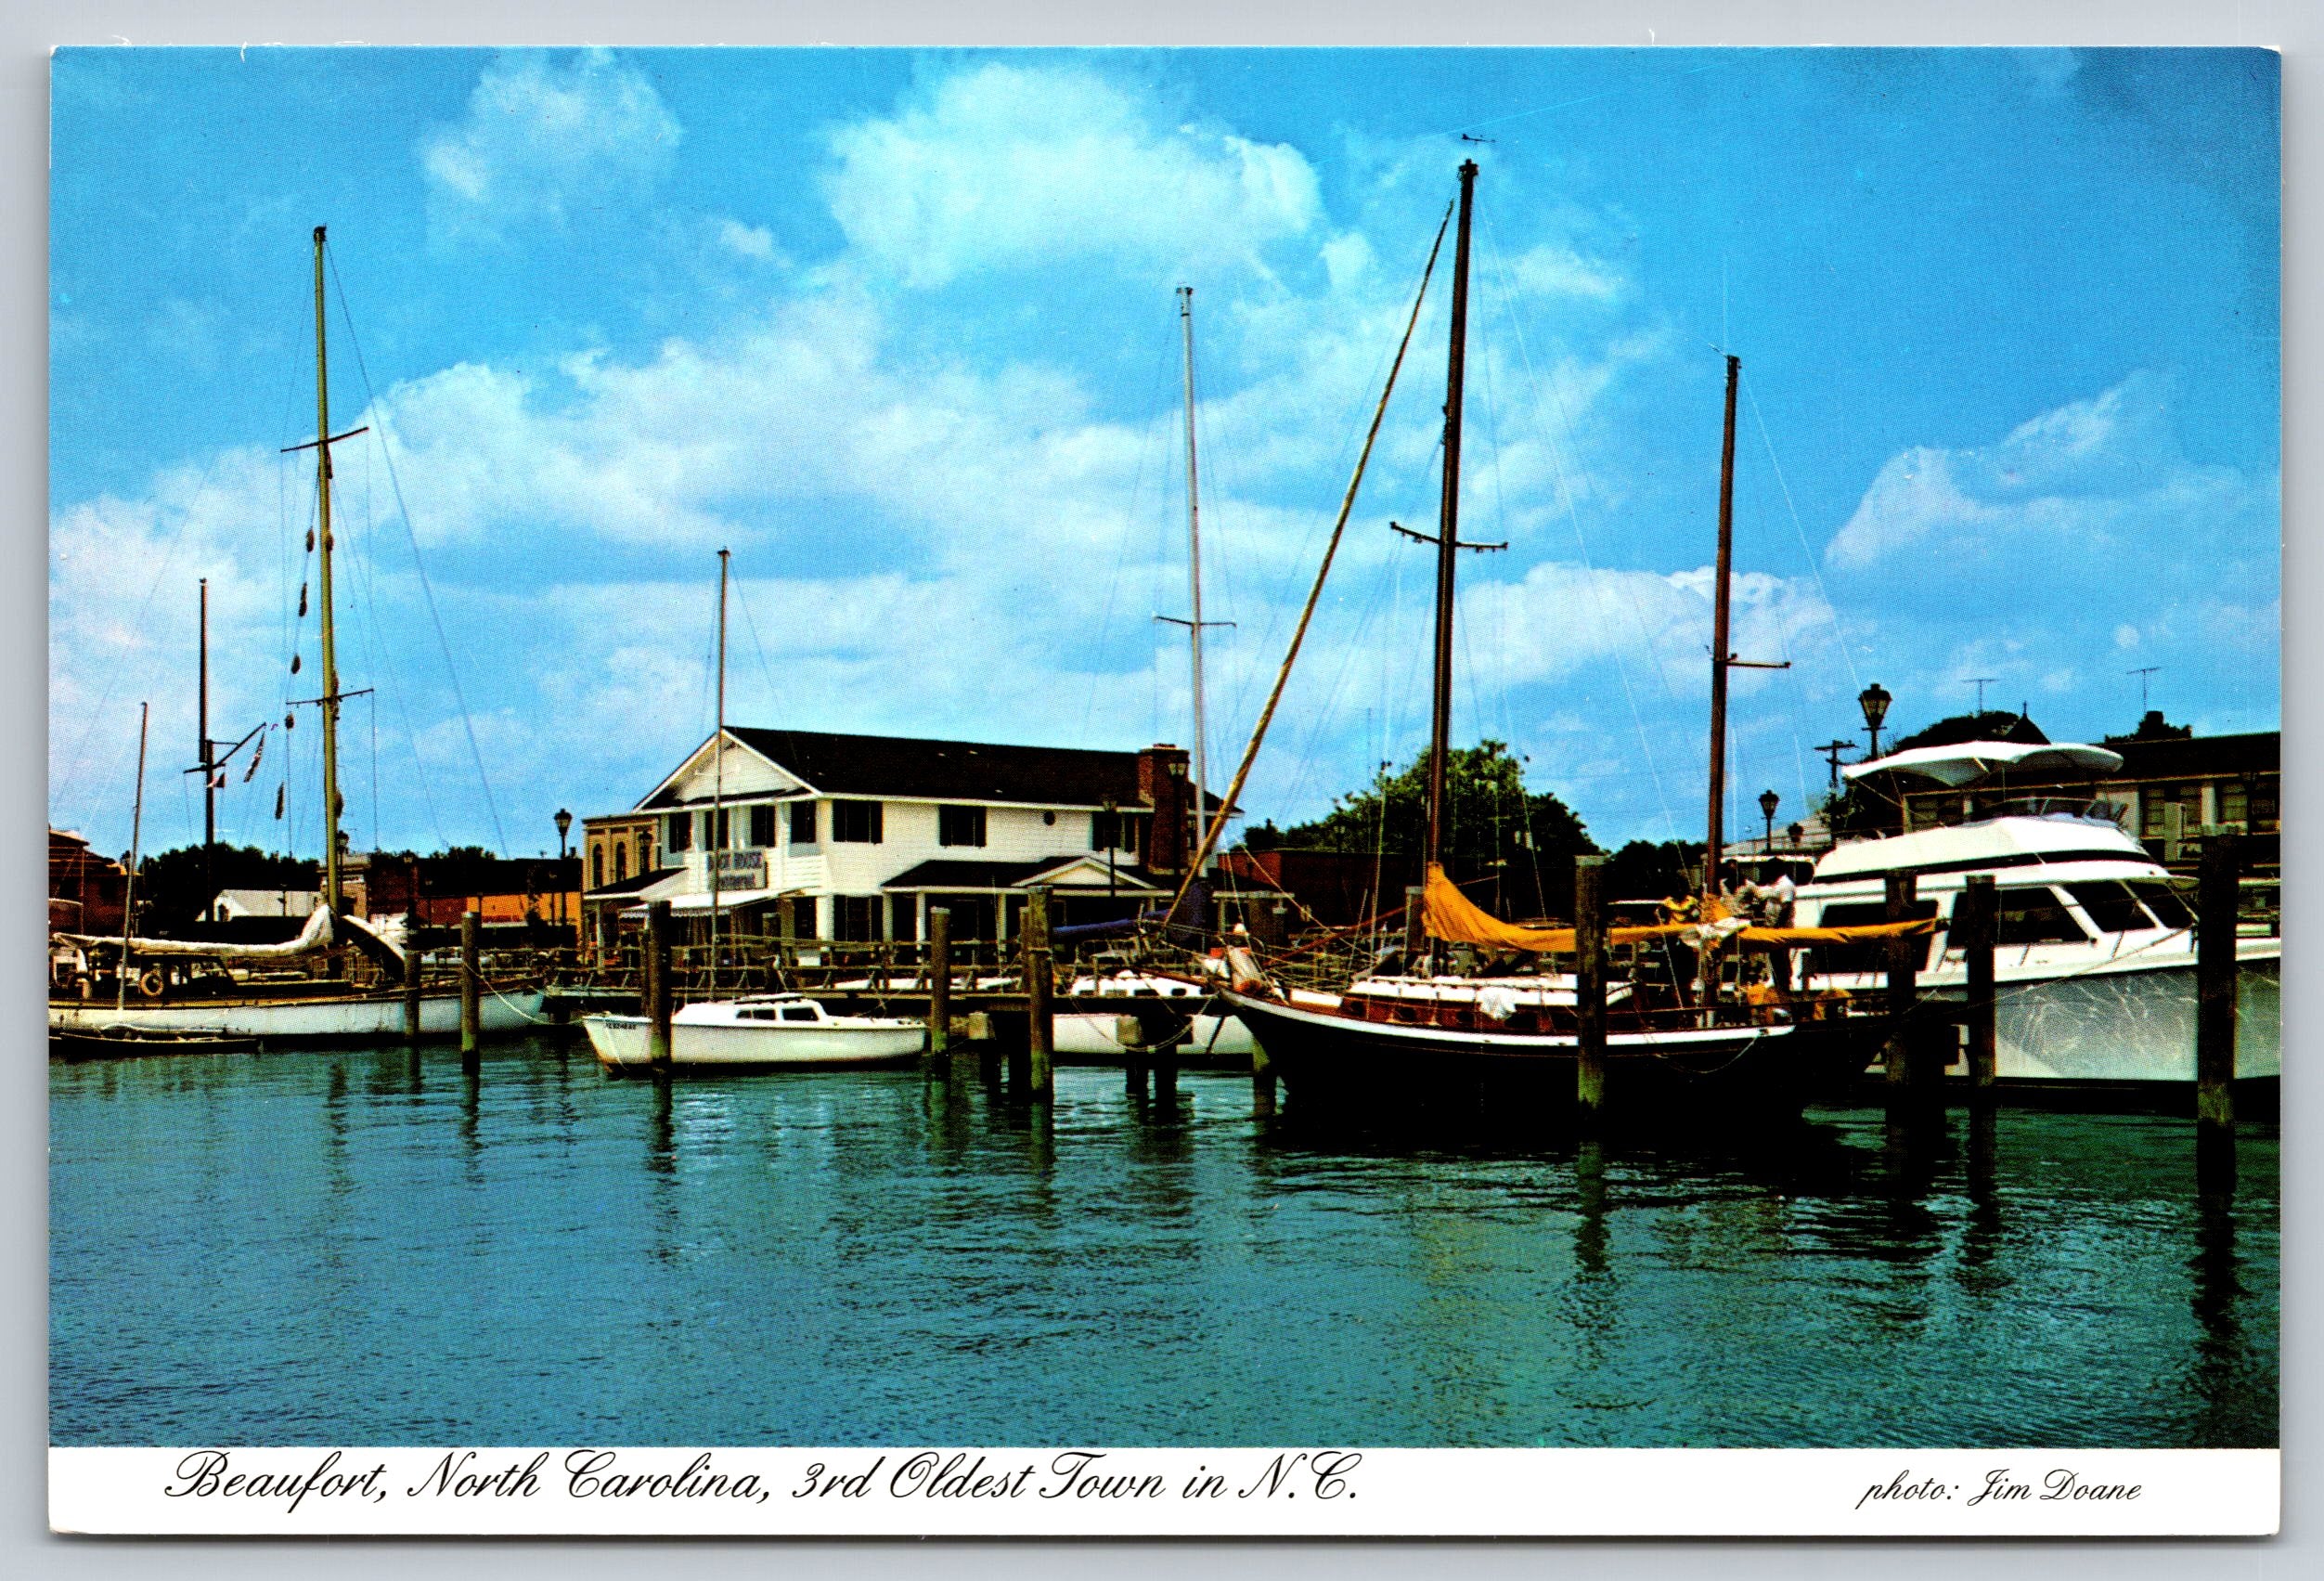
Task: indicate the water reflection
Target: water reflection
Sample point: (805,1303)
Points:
(860,1257)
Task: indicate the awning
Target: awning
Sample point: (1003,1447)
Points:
(1968,760)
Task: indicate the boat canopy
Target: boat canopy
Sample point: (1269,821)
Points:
(1455,919)
(316,935)
(1965,762)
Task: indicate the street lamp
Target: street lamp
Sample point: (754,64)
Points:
(1768,801)
(1875,700)
(564,822)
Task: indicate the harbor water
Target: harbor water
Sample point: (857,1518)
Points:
(369,1248)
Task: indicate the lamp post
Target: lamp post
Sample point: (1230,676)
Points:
(1768,801)
(1875,700)
(565,822)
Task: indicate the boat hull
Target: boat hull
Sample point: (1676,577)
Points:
(625,1043)
(1092,1036)
(2132,1028)
(279,1023)
(1331,1061)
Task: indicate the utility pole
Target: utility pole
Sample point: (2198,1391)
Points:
(209,766)
(1831,751)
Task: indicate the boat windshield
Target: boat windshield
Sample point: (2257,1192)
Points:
(2164,902)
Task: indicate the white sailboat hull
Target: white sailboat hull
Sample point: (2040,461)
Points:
(1094,1036)
(283,1022)
(626,1041)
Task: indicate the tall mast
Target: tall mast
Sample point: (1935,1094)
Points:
(208,765)
(1448,525)
(332,895)
(137,846)
(1193,561)
(1722,660)
(718,781)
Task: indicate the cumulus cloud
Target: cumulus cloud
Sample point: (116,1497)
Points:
(2083,477)
(1005,166)
(543,139)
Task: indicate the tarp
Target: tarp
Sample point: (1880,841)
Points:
(1455,918)
(316,935)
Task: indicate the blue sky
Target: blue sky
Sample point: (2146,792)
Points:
(899,328)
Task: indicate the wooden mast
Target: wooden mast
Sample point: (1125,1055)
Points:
(1722,660)
(333,895)
(137,846)
(1193,561)
(1448,528)
(209,764)
(716,842)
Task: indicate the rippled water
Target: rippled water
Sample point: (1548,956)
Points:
(359,1248)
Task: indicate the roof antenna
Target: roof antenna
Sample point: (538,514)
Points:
(1981,682)
(2142,673)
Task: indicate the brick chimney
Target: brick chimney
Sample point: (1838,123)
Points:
(1162,787)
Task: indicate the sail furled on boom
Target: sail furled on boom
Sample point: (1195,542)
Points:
(1453,918)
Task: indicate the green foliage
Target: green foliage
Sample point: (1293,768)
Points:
(173,885)
(1511,850)
(1645,870)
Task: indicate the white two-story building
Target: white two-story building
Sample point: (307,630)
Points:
(811,834)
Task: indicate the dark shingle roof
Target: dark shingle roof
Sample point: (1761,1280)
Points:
(965,770)
(955,872)
(636,882)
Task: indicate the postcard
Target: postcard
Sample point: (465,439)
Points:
(1196,793)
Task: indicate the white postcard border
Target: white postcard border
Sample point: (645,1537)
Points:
(1091,1491)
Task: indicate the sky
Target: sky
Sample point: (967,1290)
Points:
(899,330)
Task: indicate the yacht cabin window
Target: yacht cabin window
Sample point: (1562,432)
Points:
(2111,905)
(2037,915)
(798,1013)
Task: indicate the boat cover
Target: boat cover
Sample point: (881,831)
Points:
(1455,918)
(316,935)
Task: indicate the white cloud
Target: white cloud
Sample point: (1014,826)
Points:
(747,240)
(541,140)
(2079,479)
(1008,165)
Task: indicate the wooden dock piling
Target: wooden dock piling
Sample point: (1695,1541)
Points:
(1039,986)
(471,990)
(1131,1032)
(1589,973)
(414,953)
(1262,1081)
(658,982)
(1905,1072)
(1976,924)
(939,986)
(2218,893)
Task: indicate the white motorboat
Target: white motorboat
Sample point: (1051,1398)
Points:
(1088,1019)
(759,1030)
(2095,972)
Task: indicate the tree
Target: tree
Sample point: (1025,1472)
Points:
(1512,851)
(173,883)
(1645,870)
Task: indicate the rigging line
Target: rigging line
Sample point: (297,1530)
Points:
(381,653)
(1573,520)
(403,515)
(63,787)
(1307,614)
(1322,716)
(1585,98)
(1121,550)
(1814,570)
(766,671)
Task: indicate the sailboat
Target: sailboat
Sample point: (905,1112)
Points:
(1388,1044)
(222,990)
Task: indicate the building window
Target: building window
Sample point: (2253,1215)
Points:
(621,860)
(1115,831)
(904,918)
(803,916)
(762,825)
(680,836)
(801,822)
(856,918)
(856,823)
(959,825)
(724,817)
(597,868)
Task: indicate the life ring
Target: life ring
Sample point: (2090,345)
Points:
(152,984)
